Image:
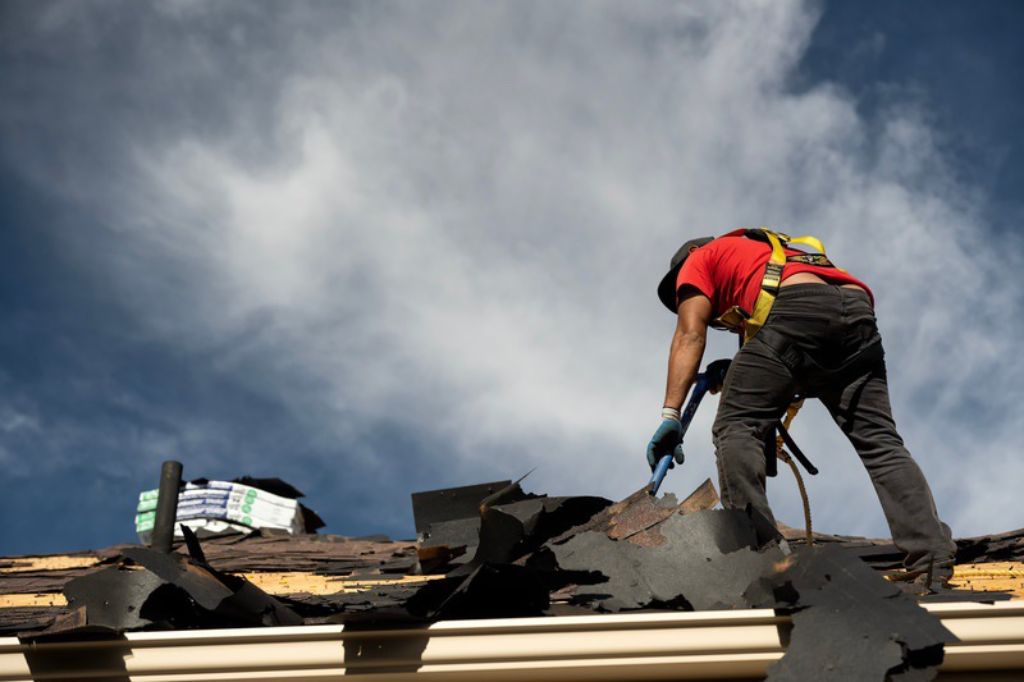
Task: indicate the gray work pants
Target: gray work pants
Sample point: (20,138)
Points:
(822,341)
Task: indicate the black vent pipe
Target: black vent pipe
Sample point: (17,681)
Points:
(166,506)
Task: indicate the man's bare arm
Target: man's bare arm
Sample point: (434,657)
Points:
(687,347)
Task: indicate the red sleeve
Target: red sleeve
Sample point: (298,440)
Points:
(696,273)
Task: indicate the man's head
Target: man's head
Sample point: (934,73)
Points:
(667,287)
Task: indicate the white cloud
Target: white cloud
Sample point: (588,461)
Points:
(470,206)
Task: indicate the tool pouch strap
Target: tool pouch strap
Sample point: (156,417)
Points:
(771,454)
(794,450)
(771,451)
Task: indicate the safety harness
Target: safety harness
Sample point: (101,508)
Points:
(748,324)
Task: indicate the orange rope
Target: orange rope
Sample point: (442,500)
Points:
(784,456)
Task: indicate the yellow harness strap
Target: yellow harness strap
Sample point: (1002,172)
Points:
(770,282)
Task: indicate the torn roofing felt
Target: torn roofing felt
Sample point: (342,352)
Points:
(170,591)
(706,560)
(499,527)
(488,589)
(448,504)
(848,622)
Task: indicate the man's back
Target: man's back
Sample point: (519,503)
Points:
(729,269)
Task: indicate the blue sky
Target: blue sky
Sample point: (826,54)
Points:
(376,248)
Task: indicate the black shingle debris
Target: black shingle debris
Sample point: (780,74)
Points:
(849,623)
(526,548)
(113,597)
(448,521)
(431,507)
(984,548)
(490,590)
(510,531)
(706,560)
(170,592)
(456,532)
(507,524)
(227,598)
(448,543)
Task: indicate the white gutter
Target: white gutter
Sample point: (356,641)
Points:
(638,646)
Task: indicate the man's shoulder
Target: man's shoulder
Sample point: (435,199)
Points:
(722,245)
(736,244)
(731,240)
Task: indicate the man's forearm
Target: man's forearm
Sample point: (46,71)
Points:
(683,363)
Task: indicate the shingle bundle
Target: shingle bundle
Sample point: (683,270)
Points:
(215,507)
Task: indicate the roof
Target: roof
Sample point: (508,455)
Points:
(517,555)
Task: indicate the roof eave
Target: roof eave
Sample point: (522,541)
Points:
(640,646)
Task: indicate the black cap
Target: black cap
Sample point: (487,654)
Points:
(667,287)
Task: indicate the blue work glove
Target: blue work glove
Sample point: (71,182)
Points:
(667,440)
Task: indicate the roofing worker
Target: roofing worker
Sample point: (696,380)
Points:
(808,329)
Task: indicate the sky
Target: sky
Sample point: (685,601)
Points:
(374,248)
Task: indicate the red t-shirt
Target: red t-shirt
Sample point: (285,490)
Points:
(729,271)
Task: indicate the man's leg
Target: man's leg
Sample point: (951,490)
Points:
(757,390)
(862,411)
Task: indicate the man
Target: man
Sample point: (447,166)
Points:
(808,329)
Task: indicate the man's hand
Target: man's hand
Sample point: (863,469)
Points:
(667,440)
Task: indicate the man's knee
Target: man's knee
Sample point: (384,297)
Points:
(739,448)
(725,429)
(883,451)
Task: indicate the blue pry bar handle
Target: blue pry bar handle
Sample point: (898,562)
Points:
(700,387)
(659,474)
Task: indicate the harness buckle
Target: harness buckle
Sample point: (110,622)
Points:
(732,319)
(772,277)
